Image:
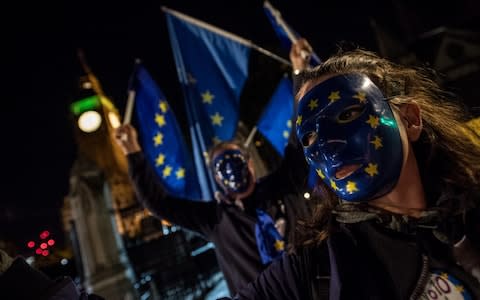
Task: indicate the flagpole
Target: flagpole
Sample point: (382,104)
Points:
(225,34)
(131,95)
(250,137)
(91,77)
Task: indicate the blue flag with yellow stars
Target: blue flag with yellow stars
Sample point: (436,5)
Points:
(276,121)
(212,66)
(162,139)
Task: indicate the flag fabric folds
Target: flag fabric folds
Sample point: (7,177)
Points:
(276,121)
(212,66)
(162,139)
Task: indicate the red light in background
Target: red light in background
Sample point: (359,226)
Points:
(43,245)
(44,234)
(31,244)
(38,251)
(45,252)
(51,242)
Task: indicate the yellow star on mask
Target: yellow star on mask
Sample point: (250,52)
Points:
(351,187)
(320,173)
(286,134)
(444,275)
(279,245)
(334,96)
(158,139)
(167,171)
(373,121)
(207,97)
(372,169)
(163,106)
(313,104)
(289,123)
(299,120)
(217,119)
(160,120)
(160,160)
(361,96)
(377,142)
(334,186)
(180,173)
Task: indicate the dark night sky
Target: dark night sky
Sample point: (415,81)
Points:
(42,71)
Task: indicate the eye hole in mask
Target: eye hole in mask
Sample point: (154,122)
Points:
(309,138)
(350,113)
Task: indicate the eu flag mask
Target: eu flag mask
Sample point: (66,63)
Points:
(231,168)
(351,137)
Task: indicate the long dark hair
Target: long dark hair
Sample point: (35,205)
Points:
(447,152)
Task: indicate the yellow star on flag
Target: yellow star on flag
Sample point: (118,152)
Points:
(158,139)
(286,134)
(180,173)
(361,96)
(377,142)
(351,187)
(372,169)
(163,106)
(444,275)
(299,120)
(160,160)
(334,96)
(333,184)
(320,173)
(289,123)
(279,245)
(373,121)
(167,171)
(207,97)
(160,120)
(217,119)
(313,104)
(460,288)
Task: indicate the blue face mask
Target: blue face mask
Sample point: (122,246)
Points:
(345,124)
(231,167)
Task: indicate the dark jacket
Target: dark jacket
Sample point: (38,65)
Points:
(22,282)
(231,229)
(365,260)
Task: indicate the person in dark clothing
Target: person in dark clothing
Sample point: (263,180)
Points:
(19,281)
(399,178)
(231,223)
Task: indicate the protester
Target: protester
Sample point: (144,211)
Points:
(400,176)
(252,220)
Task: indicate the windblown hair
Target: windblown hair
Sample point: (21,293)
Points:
(446,151)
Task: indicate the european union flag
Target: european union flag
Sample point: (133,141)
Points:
(285,33)
(162,139)
(212,66)
(276,121)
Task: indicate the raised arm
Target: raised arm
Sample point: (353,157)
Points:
(199,216)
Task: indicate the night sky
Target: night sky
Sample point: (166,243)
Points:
(42,70)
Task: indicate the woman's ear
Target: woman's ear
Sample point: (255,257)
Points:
(412,115)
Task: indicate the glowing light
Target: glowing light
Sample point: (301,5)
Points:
(31,244)
(64,261)
(45,252)
(388,122)
(51,242)
(43,245)
(89,121)
(44,234)
(38,251)
(306,195)
(114,120)
(30,260)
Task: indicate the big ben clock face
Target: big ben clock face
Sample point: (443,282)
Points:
(89,121)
